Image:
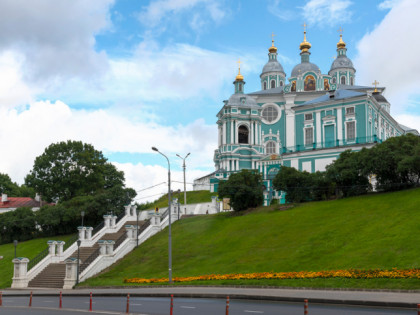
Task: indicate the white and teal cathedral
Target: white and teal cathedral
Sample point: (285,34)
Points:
(303,122)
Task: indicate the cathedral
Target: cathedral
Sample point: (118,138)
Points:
(303,122)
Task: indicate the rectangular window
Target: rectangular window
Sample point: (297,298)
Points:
(349,110)
(309,136)
(308,116)
(351,130)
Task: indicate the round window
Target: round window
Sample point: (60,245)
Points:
(270,113)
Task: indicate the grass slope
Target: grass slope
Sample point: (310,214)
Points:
(197,196)
(28,249)
(367,232)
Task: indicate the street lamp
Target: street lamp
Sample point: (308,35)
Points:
(78,261)
(185,184)
(15,242)
(137,238)
(179,191)
(169,212)
(82,214)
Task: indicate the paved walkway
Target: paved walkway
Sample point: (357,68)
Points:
(349,297)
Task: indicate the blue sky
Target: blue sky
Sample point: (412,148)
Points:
(125,75)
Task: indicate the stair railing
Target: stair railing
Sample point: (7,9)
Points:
(120,240)
(98,228)
(143,227)
(89,260)
(71,241)
(120,217)
(33,262)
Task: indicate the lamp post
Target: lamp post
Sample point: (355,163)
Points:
(78,260)
(15,242)
(137,238)
(82,214)
(169,212)
(185,183)
(179,191)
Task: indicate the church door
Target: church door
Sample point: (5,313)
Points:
(329,136)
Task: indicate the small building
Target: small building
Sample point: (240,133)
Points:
(12,203)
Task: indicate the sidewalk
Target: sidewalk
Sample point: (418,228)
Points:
(348,297)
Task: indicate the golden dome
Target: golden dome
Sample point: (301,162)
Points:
(272,49)
(305,45)
(341,44)
(239,77)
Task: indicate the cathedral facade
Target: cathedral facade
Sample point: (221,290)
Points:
(304,122)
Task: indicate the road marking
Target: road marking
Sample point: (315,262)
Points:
(259,312)
(187,306)
(135,304)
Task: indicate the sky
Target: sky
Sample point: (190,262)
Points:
(126,75)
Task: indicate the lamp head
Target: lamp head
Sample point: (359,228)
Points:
(154,149)
(15,242)
(78,243)
(178,155)
(82,213)
(187,154)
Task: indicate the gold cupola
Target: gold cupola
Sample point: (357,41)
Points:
(272,49)
(341,44)
(305,45)
(239,77)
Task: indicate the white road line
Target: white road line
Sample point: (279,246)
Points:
(187,306)
(135,304)
(258,312)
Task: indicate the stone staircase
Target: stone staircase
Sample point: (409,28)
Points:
(53,275)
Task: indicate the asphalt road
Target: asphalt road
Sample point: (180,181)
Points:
(182,306)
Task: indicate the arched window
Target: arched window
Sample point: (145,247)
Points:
(273,84)
(270,147)
(351,81)
(281,83)
(343,80)
(240,87)
(243,134)
(309,83)
(265,85)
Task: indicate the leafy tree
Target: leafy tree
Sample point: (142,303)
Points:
(244,190)
(19,224)
(69,169)
(7,186)
(296,184)
(350,173)
(396,162)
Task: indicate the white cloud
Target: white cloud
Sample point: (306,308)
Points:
(277,9)
(56,38)
(27,133)
(387,4)
(389,54)
(163,10)
(327,12)
(409,120)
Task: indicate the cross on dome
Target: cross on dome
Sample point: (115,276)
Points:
(375,83)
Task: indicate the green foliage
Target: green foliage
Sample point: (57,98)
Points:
(314,236)
(69,169)
(396,162)
(244,190)
(19,224)
(349,173)
(12,189)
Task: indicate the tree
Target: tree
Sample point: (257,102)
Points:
(296,184)
(12,189)
(69,169)
(244,190)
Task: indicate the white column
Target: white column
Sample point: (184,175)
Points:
(60,247)
(71,273)
(224,133)
(251,133)
(340,124)
(107,220)
(127,210)
(51,247)
(318,129)
(235,135)
(89,230)
(20,279)
(218,136)
(110,247)
(231,131)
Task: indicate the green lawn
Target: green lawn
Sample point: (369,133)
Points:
(198,196)
(28,249)
(367,232)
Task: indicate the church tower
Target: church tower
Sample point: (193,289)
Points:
(272,75)
(305,76)
(239,131)
(342,70)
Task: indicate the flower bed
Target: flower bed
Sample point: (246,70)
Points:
(351,273)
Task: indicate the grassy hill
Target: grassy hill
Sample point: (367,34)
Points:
(380,231)
(28,249)
(198,196)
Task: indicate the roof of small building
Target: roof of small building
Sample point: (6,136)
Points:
(241,100)
(17,202)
